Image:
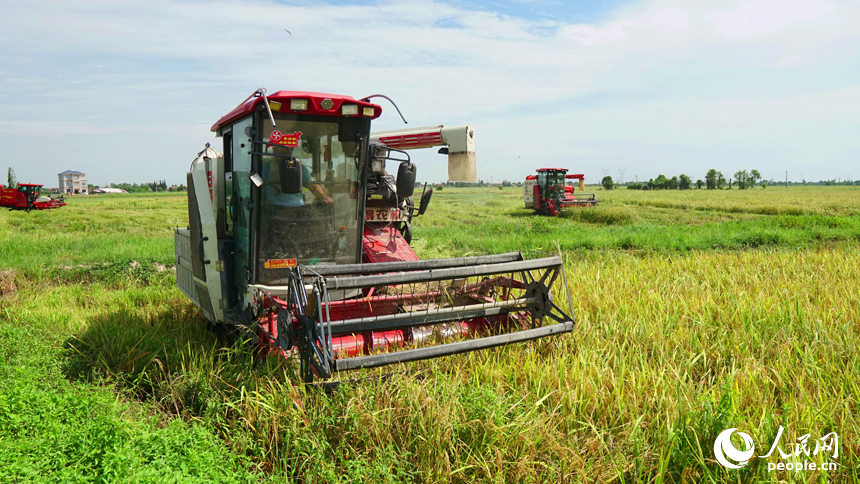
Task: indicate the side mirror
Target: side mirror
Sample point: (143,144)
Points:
(291,176)
(425,200)
(406,180)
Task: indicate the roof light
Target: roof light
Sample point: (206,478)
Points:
(327,104)
(349,109)
(275,106)
(298,104)
(368,111)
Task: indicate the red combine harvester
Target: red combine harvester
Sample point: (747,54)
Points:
(298,233)
(26,197)
(548,193)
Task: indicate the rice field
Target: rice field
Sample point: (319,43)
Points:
(697,311)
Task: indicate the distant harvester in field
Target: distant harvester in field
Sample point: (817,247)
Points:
(26,197)
(548,193)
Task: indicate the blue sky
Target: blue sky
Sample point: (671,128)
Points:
(127,91)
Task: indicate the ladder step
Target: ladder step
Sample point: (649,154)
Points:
(373,361)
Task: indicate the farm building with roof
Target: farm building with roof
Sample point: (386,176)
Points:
(73,183)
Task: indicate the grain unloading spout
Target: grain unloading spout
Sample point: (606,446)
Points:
(408,306)
(459,140)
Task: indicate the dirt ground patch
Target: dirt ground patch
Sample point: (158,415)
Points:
(7,283)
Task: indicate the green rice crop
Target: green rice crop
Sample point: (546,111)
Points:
(678,337)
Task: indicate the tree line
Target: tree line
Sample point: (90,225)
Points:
(155,186)
(714,180)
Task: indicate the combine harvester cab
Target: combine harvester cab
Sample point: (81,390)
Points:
(27,197)
(548,192)
(298,233)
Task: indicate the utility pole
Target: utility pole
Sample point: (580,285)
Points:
(786,179)
(621,177)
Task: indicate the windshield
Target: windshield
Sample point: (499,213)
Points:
(554,183)
(320,224)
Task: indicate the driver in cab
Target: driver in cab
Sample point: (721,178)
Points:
(277,198)
(294,229)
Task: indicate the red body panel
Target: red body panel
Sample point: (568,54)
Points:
(9,196)
(384,243)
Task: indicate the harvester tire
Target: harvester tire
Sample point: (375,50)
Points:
(406,230)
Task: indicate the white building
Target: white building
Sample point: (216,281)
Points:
(108,190)
(73,183)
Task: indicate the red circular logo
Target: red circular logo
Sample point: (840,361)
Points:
(275,136)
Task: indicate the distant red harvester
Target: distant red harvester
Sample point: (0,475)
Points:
(26,197)
(547,192)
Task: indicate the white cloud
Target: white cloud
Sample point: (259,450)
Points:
(761,17)
(666,76)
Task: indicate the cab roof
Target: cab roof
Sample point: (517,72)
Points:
(283,98)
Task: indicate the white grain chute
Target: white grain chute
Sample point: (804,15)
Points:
(460,141)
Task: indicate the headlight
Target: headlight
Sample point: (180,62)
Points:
(367,111)
(298,104)
(349,109)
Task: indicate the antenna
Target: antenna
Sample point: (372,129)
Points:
(368,98)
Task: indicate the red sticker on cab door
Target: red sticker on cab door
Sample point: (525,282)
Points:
(290,140)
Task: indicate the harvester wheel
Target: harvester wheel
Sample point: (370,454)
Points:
(406,230)
(313,360)
(286,336)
